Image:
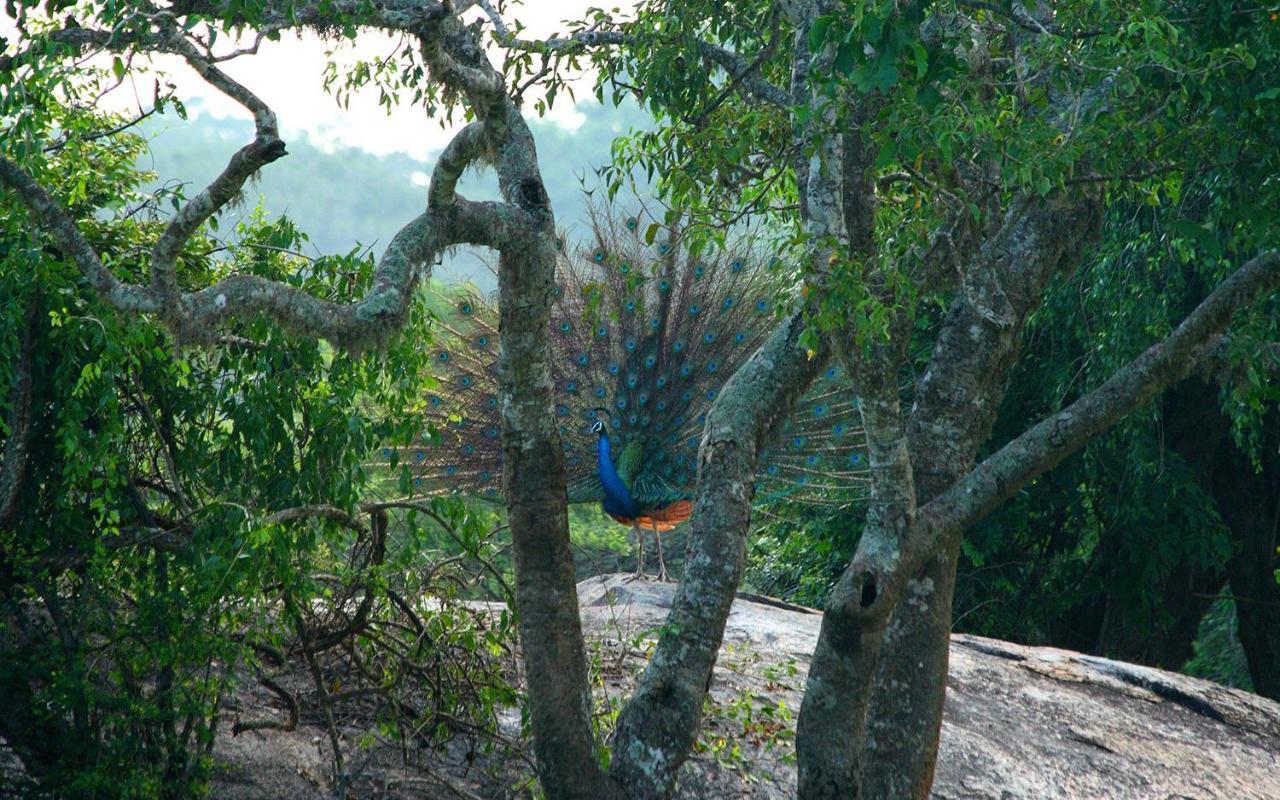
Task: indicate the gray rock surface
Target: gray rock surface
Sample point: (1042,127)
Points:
(1021,722)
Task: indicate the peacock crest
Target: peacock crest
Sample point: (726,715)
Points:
(644,336)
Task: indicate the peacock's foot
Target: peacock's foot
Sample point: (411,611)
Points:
(638,575)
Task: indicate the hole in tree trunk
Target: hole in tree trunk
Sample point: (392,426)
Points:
(868,589)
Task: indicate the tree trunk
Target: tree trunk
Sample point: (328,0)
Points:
(955,407)
(656,728)
(534,480)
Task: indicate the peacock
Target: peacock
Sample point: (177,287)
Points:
(644,335)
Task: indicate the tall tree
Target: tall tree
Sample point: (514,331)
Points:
(953,153)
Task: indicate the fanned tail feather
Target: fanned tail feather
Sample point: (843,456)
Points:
(648,333)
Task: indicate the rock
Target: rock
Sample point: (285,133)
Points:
(1021,722)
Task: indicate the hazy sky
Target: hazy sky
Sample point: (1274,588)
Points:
(288,75)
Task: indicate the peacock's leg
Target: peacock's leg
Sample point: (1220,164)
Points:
(639,532)
(662,565)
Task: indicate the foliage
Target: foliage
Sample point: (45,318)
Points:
(798,553)
(1218,656)
(1174,94)
(164,531)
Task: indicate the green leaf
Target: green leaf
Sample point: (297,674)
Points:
(929,97)
(818,32)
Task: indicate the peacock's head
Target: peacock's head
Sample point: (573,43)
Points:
(597,427)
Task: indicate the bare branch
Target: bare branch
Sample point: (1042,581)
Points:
(265,148)
(319,510)
(467,146)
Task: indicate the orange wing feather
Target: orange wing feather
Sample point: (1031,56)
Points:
(661,519)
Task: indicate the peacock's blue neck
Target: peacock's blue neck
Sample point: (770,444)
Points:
(617,498)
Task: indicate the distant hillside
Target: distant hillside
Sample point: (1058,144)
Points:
(349,197)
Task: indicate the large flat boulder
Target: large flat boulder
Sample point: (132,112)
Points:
(1020,722)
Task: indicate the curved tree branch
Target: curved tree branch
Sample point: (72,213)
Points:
(265,148)
(1046,444)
